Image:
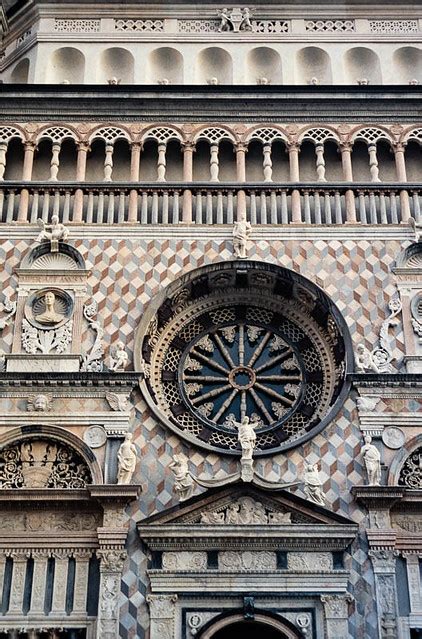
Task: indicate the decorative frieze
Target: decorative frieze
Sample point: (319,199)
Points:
(49,521)
(309,561)
(330,26)
(129,25)
(247,560)
(76,25)
(184,560)
(393,26)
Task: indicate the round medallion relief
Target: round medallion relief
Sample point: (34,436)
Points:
(49,308)
(233,340)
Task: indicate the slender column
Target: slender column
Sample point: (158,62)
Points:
(111,567)
(18,582)
(346,161)
(320,162)
(82,558)
(55,161)
(373,163)
(3,150)
(294,177)
(161,163)
(83,148)
(162,610)
(39,579)
(267,164)
(188,150)
(2,568)
(336,612)
(241,150)
(214,163)
(402,177)
(108,162)
(61,563)
(28,163)
(134,177)
(414,581)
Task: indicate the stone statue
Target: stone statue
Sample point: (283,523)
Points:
(314,81)
(313,485)
(184,483)
(263,81)
(40,403)
(246,437)
(241,233)
(364,361)
(119,358)
(372,459)
(55,232)
(246,24)
(114,80)
(50,315)
(126,458)
(226,23)
(212,81)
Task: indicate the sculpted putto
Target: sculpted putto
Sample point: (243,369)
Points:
(40,403)
(55,232)
(119,358)
(372,459)
(126,458)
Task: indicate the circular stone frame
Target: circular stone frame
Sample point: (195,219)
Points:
(205,300)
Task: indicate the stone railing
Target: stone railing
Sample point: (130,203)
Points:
(205,203)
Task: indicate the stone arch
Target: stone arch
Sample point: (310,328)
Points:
(116,62)
(266,134)
(371,135)
(58,436)
(361,63)
(214,63)
(162,134)
(407,62)
(8,133)
(165,65)
(56,133)
(66,64)
(319,135)
(313,62)
(412,134)
(214,134)
(411,257)
(262,620)
(110,134)
(263,66)
(397,465)
(20,73)
(67,258)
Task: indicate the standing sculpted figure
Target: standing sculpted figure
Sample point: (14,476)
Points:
(372,459)
(126,458)
(184,483)
(313,485)
(246,436)
(226,23)
(55,232)
(241,233)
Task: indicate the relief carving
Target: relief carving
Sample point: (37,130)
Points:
(237,560)
(309,561)
(185,560)
(244,510)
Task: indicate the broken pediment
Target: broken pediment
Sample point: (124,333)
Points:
(234,510)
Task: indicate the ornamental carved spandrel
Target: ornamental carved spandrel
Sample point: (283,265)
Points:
(42,463)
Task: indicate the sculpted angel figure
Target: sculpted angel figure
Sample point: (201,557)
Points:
(184,483)
(40,403)
(364,361)
(126,458)
(54,232)
(313,485)
(226,23)
(372,459)
(241,233)
(246,24)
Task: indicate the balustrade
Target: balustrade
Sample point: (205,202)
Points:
(206,203)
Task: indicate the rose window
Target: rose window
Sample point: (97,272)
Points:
(243,339)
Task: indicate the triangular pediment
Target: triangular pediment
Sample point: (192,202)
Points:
(244,504)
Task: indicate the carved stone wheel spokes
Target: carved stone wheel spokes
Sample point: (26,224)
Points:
(241,369)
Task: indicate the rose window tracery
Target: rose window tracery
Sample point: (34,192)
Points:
(411,472)
(254,340)
(42,463)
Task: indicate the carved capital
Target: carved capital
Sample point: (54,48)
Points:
(111,560)
(336,606)
(161,606)
(384,561)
